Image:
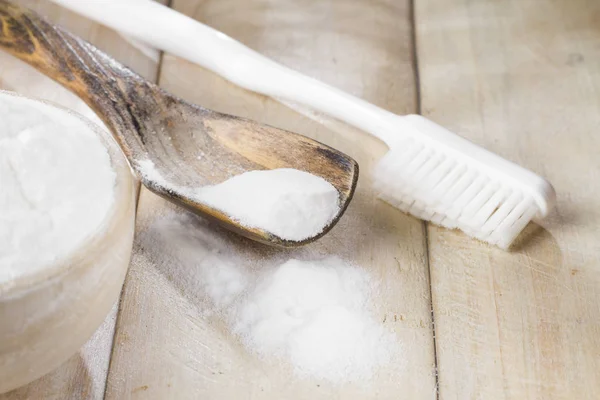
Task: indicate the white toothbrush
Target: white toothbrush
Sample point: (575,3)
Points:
(429,171)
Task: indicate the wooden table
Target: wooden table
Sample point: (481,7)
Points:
(521,77)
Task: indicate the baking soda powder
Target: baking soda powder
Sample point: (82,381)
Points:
(290,203)
(56,184)
(315,314)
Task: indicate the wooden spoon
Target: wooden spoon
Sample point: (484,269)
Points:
(188,146)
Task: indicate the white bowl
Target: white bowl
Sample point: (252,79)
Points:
(45,317)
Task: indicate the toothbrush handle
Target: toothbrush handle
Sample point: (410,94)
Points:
(187,38)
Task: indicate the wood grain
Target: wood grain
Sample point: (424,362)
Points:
(165,348)
(520,78)
(83,377)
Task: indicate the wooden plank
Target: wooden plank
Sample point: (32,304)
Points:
(522,79)
(84,375)
(164,346)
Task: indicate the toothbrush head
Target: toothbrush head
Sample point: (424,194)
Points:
(442,178)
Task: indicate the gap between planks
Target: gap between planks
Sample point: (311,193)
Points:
(139,190)
(417,80)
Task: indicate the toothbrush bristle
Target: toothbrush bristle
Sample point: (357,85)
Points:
(450,193)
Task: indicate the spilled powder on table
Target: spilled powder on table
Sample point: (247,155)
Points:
(315,314)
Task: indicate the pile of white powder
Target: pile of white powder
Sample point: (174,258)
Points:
(57,184)
(315,314)
(292,204)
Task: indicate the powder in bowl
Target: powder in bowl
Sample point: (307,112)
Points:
(57,184)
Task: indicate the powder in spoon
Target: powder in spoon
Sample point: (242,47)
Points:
(57,184)
(290,203)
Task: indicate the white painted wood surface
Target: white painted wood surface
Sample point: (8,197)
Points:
(519,77)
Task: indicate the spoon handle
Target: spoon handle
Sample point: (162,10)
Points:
(112,90)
